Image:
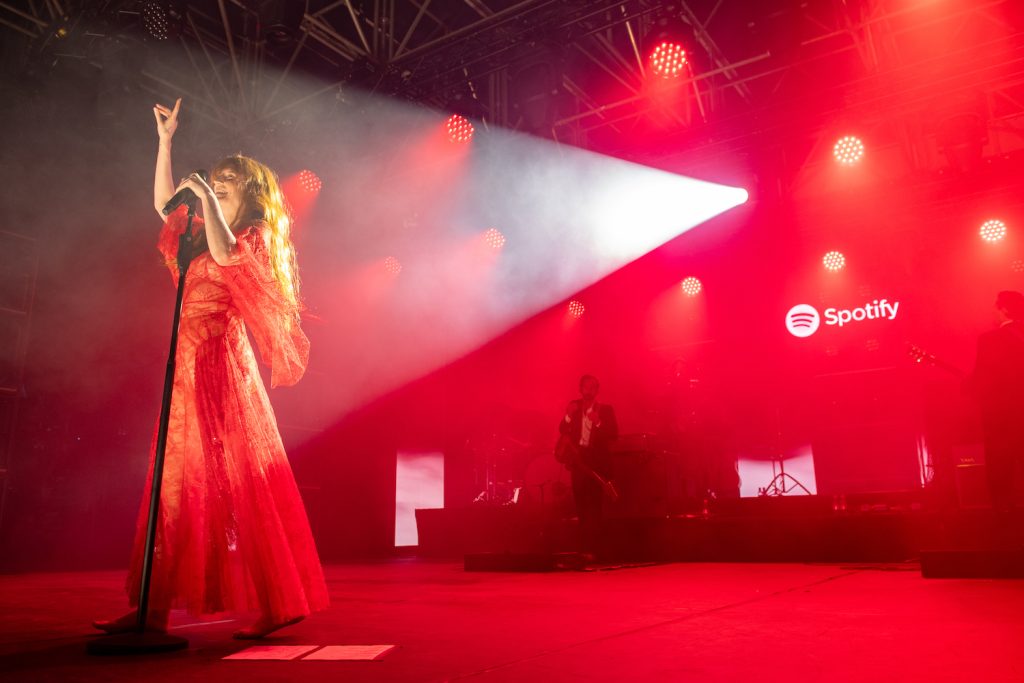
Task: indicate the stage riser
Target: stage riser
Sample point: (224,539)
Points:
(831,538)
(973,564)
(889,538)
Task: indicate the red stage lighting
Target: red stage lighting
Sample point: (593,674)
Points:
(668,59)
(848,150)
(494,239)
(310,181)
(459,128)
(576,308)
(1017,266)
(691,286)
(392,265)
(834,261)
(993,230)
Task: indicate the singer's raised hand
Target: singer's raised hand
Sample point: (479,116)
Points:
(163,179)
(166,120)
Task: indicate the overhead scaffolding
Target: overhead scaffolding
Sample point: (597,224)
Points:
(469,56)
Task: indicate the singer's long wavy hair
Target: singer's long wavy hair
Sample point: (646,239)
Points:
(263,200)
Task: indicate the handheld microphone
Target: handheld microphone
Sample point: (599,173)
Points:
(184,194)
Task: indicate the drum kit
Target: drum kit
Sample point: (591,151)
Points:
(514,471)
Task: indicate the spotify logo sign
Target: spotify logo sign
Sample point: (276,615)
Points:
(803,320)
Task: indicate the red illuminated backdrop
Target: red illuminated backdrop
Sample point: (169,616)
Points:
(394,237)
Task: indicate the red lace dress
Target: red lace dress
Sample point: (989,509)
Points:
(232,533)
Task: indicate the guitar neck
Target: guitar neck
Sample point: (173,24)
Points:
(922,357)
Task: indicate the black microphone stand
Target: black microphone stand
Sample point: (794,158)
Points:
(142,641)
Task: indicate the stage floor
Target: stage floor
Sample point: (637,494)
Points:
(673,622)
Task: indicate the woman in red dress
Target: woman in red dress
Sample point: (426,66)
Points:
(232,533)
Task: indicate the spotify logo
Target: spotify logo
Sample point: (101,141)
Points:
(802,320)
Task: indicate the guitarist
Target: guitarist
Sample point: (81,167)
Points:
(998,384)
(587,431)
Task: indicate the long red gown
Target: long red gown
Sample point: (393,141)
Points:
(232,533)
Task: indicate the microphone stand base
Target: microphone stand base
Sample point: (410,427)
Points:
(148,642)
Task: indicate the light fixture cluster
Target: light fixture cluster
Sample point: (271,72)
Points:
(310,181)
(691,286)
(668,59)
(154,20)
(992,230)
(848,150)
(833,261)
(460,130)
(494,239)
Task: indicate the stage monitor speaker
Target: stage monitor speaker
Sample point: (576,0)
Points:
(971,487)
(509,562)
(997,563)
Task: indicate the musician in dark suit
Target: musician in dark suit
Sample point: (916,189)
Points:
(590,428)
(998,384)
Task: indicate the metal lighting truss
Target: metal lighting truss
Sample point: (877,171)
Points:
(470,55)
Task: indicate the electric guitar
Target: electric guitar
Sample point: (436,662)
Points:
(921,356)
(568,453)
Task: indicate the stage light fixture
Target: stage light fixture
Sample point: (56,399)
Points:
(576,308)
(848,150)
(460,130)
(162,20)
(834,261)
(691,286)
(310,181)
(668,59)
(154,20)
(392,266)
(1017,266)
(535,85)
(993,230)
(962,132)
(279,20)
(494,239)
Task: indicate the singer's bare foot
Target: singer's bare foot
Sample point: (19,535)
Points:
(129,622)
(263,627)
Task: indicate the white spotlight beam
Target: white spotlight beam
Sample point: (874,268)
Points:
(570,218)
(573,217)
